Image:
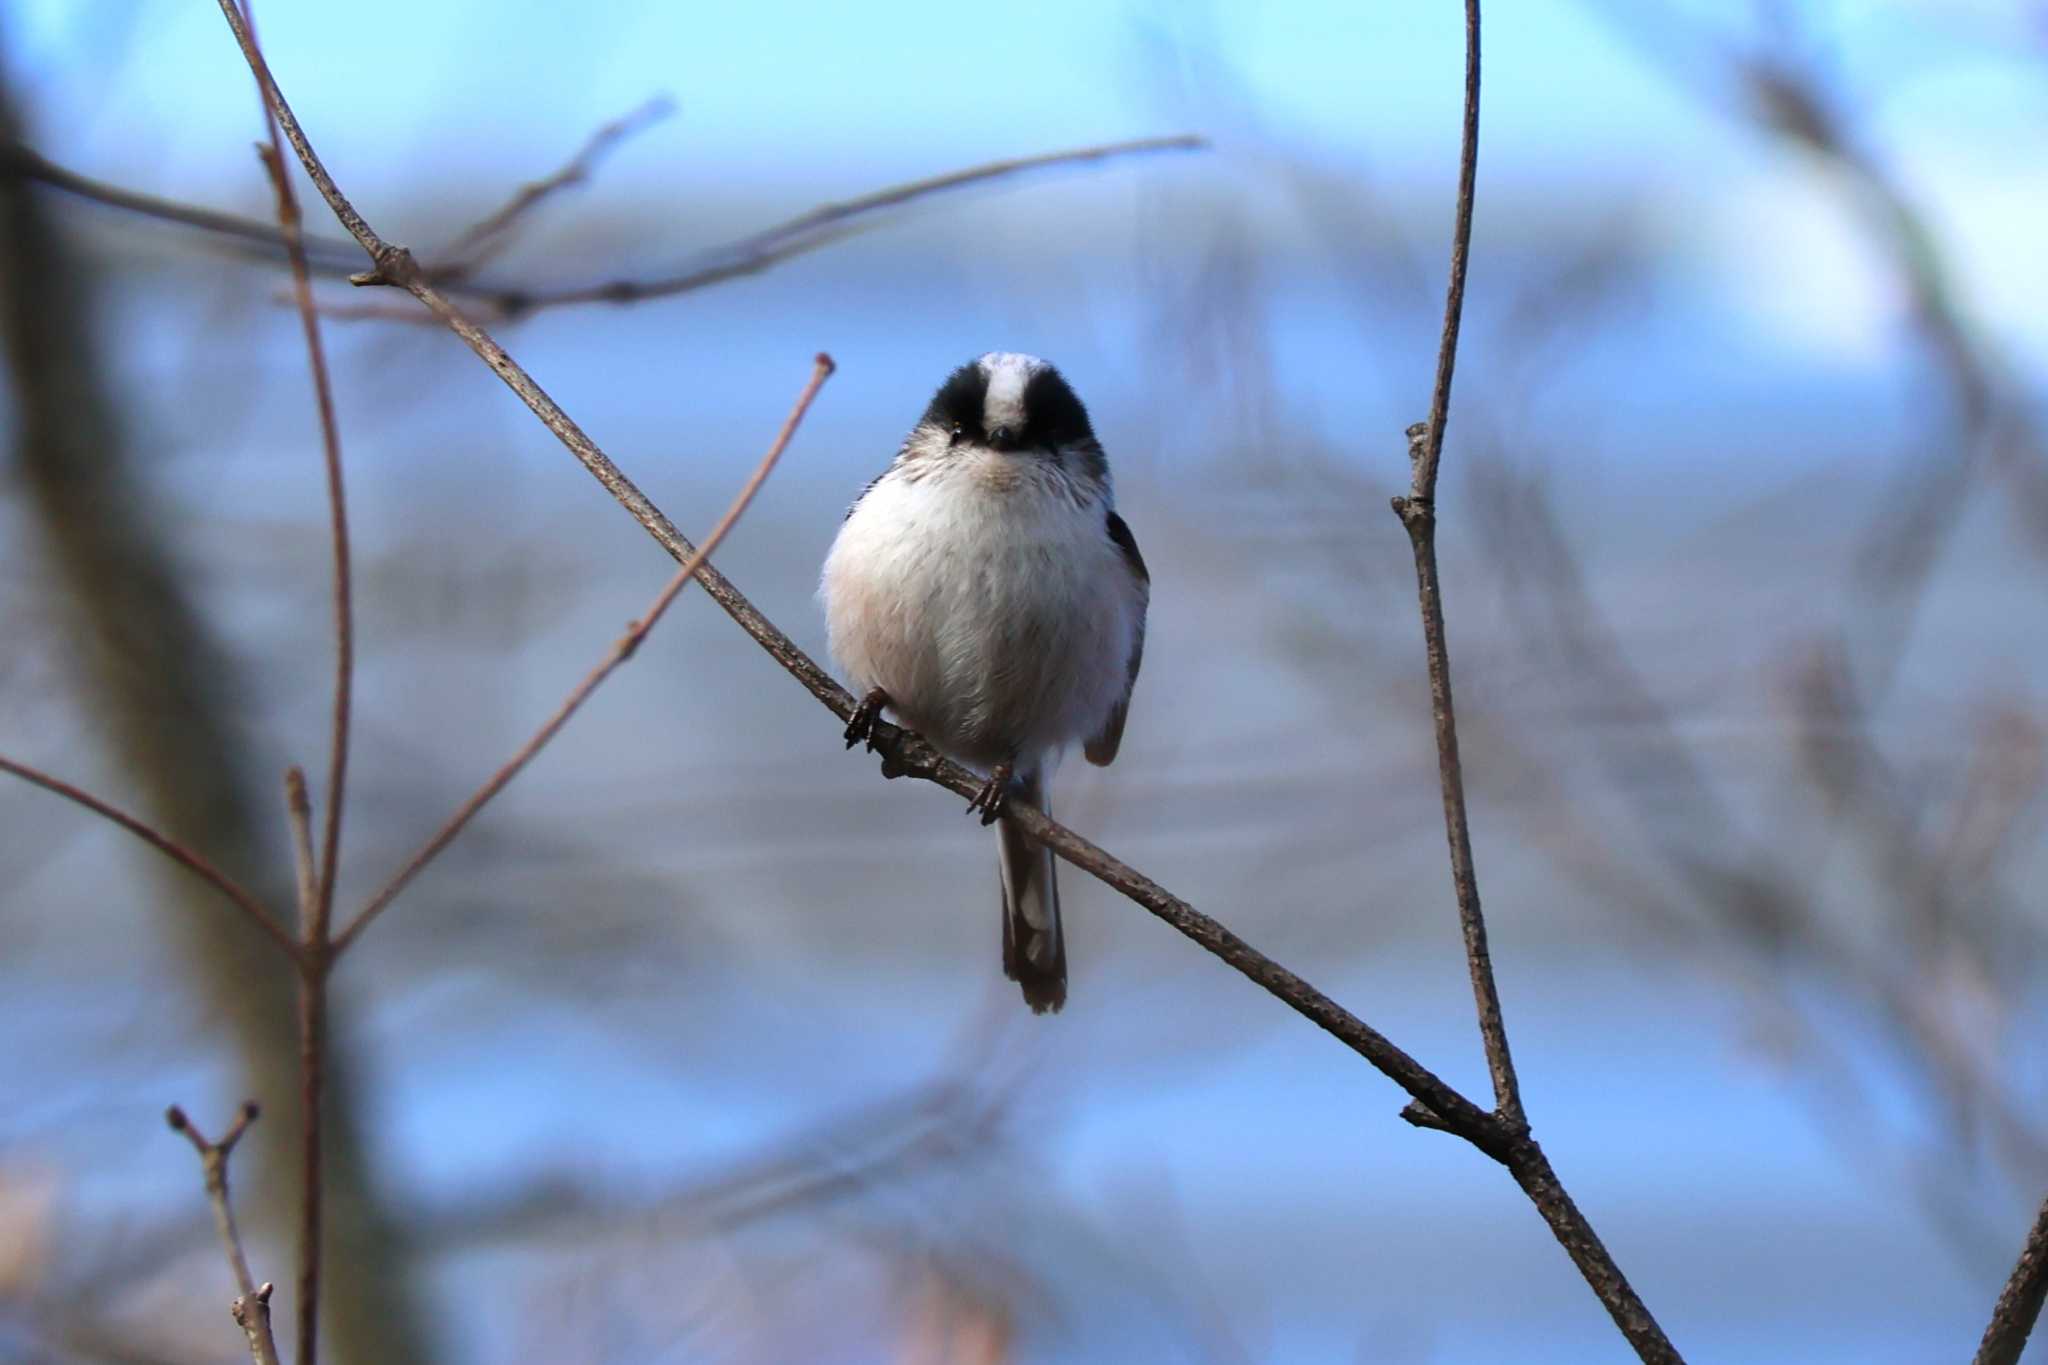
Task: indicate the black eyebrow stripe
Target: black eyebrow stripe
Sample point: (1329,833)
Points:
(1055,413)
(960,399)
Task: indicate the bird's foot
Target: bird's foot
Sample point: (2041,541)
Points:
(994,792)
(860,727)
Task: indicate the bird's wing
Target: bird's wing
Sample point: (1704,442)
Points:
(865,491)
(1102,746)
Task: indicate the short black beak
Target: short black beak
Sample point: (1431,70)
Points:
(1002,438)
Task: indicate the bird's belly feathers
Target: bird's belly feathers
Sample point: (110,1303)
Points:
(999,619)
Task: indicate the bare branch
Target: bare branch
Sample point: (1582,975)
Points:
(2019,1304)
(807,232)
(621,651)
(904,753)
(299,813)
(316,959)
(169,847)
(251,1308)
(314,925)
(1417,511)
(1424,489)
(335,255)
(315,965)
(492,234)
(140,612)
(748,255)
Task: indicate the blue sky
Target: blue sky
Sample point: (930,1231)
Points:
(781,97)
(905,82)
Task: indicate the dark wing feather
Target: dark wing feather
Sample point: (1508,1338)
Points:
(865,491)
(1102,746)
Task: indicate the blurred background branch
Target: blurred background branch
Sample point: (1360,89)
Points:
(452,269)
(163,691)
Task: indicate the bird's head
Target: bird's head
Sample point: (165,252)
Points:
(1009,403)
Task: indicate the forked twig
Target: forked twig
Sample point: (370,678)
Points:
(251,1307)
(1417,511)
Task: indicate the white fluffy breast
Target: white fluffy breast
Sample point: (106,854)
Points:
(987,601)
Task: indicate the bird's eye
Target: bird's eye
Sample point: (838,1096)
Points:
(955,435)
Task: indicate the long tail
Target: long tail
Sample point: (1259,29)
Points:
(1034,949)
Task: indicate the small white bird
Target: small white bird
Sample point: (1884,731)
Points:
(985,591)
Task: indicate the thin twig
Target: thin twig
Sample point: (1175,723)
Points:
(2019,1304)
(251,1308)
(1417,511)
(315,963)
(1461,247)
(909,754)
(314,969)
(336,255)
(316,958)
(489,236)
(621,651)
(807,232)
(741,257)
(213,1159)
(171,848)
(299,814)
(315,926)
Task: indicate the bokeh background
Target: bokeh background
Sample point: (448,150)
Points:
(696,1046)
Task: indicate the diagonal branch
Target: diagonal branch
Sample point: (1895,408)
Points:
(2012,1321)
(395,265)
(169,847)
(1505,1141)
(333,254)
(621,651)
